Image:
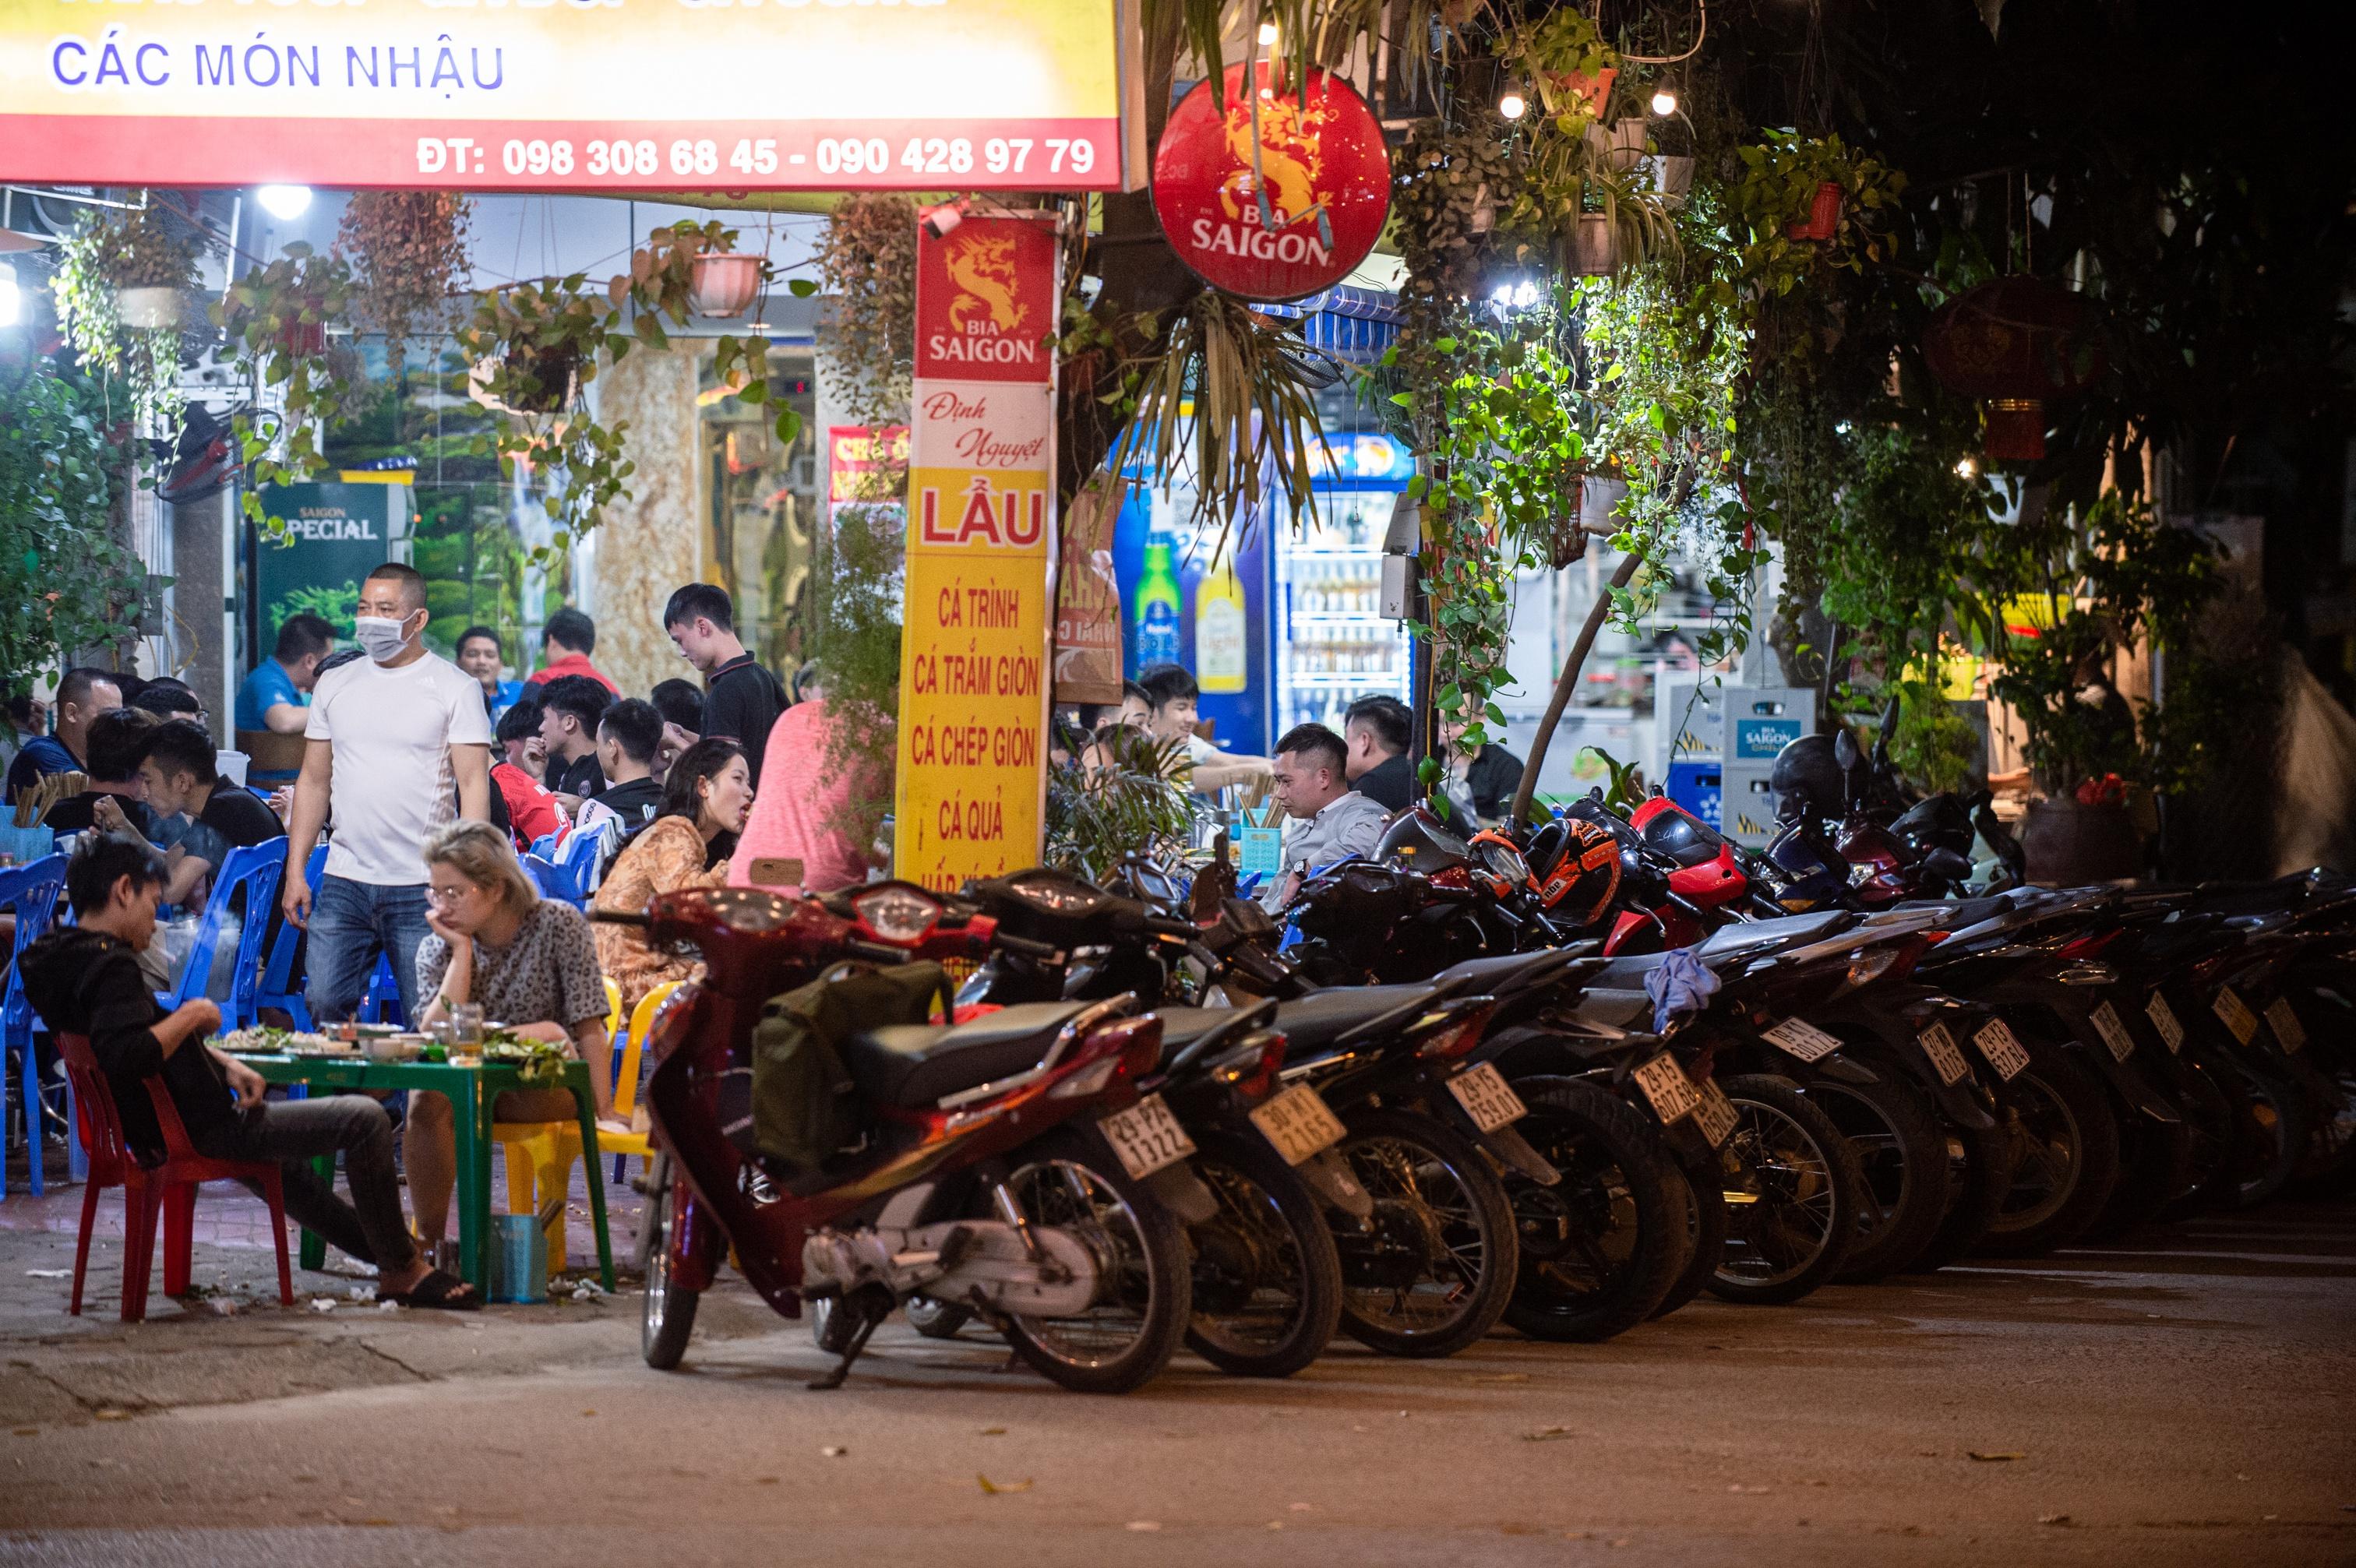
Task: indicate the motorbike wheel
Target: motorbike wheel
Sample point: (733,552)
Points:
(2214,1105)
(1792,1215)
(1600,1249)
(936,1320)
(1902,1159)
(1980,1174)
(1432,1270)
(1144,1278)
(2066,1154)
(2275,1132)
(1267,1284)
(2327,1163)
(2155,1158)
(1704,1198)
(667,1315)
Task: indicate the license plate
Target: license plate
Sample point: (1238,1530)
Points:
(2287,1027)
(1487,1098)
(2114,1032)
(1668,1089)
(1945,1055)
(1801,1038)
(2003,1050)
(2163,1018)
(1714,1114)
(2236,1015)
(1147,1137)
(1297,1122)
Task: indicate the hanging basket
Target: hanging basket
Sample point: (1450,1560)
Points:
(1628,139)
(1824,216)
(1670,176)
(303,339)
(149,308)
(539,380)
(1589,93)
(724,283)
(1595,246)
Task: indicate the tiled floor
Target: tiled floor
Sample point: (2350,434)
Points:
(228,1215)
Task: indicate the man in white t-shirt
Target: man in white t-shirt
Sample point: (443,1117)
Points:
(398,744)
(1170,694)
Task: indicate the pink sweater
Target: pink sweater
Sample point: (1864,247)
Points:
(795,804)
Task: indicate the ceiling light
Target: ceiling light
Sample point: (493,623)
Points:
(1665,102)
(1267,35)
(11,300)
(1512,106)
(287,201)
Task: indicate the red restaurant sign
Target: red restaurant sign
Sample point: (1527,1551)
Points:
(1296,219)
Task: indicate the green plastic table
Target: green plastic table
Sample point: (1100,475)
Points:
(472,1091)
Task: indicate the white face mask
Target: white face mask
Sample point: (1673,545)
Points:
(381,635)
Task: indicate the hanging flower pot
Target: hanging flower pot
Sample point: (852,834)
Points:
(1628,139)
(1671,177)
(1824,215)
(1585,91)
(1599,496)
(148,308)
(1595,246)
(724,283)
(302,338)
(541,380)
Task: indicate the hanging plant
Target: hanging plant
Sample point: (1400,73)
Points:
(1566,61)
(66,583)
(868,263)
(1778,205)
(276,317)
(408,256)
(106,257)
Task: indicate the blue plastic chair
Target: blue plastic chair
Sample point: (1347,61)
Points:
(281,987)
(383,1003)
(253,870)
(546,844)
(32,892)
(549,878)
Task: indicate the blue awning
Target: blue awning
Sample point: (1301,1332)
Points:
(1351,324)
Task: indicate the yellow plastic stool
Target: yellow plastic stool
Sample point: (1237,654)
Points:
(541,1155)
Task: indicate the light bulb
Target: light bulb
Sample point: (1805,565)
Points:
(1665,102)
(11,300)
(287,201)
(1267,35)
(1512,106)
(1967,467)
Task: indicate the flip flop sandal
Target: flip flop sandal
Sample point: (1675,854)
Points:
(440,1292)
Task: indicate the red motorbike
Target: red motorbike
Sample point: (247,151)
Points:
(978,1176)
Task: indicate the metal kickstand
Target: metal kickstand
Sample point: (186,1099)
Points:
(869,1320)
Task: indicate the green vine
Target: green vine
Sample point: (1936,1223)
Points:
(106,254)
(276,317)
(66,583)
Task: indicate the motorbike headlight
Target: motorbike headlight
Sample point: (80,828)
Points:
(1860,873)
(1871,965)
(897,912)
(2086,973)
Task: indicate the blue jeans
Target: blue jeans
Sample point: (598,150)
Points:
(352,923)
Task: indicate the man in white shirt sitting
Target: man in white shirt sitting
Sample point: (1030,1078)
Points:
(1171,694)
(1329,821)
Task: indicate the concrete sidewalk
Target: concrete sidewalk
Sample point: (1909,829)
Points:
(230,1342)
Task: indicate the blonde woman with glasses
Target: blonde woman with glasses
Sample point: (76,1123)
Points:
(528,963)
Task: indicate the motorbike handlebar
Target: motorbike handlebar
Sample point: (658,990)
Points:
(876,951)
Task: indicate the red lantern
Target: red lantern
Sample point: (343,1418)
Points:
(2015,342)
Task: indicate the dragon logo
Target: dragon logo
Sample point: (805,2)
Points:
(1292,164)
(982,268)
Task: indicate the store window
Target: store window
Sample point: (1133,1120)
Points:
(763,505)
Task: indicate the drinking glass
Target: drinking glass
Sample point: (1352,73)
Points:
(466,1032)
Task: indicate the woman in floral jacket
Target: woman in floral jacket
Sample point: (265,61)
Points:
(706,796)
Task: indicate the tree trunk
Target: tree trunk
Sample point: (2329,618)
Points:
(1567,683)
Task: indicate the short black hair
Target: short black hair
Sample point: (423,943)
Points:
(411,581)
(573,629)
(341,658)
(1164,684)
(166,696)
(1129,688)
(471,633)
(1387,717)
(180,746)
(1317,745)
(634,725)
(103,859)
(680,702)
(75,684)
(114,743)
(704,599)
(303,635)
(579,696)
(521,722)
(20,708)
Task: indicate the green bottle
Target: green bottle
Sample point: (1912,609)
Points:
(1157,607)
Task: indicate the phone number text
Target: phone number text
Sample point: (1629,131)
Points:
(623,158)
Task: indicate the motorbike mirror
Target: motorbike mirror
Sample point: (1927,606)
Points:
(1948,865)
(1845,751)
(1249,918)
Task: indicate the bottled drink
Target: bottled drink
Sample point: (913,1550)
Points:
(1157,607)
(1221,663)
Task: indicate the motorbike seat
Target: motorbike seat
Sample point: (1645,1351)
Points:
(1182,1027)
(1317,1021)
(1509,972)
(1749,937)
(915,1064)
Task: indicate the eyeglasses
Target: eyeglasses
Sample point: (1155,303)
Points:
(448,895)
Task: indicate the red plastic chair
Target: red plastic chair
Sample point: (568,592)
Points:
(168,1190)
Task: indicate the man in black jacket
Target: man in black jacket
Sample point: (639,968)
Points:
(742,700)
(1377,729)
(85,979)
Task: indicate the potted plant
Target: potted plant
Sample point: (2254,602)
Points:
(725,281)
(1595,246)
(1799,202)
(152,269)
(409,258)
(107,257)
(1566,56)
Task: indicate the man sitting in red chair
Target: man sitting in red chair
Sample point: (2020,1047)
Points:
(85,979)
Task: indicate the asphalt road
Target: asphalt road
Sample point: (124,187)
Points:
(2186,1400)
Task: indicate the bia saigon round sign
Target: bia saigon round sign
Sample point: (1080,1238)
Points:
(1304,217)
